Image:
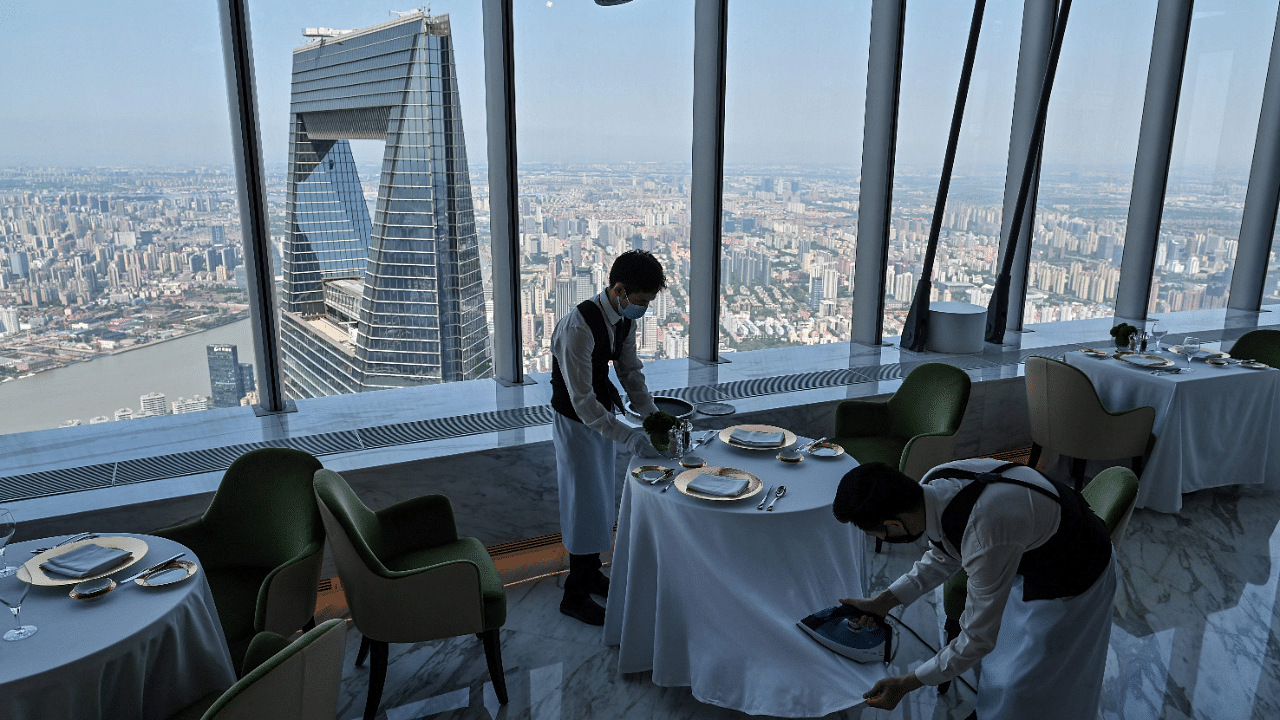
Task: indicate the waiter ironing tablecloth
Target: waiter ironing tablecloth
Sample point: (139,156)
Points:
(597,332)
(1042,579)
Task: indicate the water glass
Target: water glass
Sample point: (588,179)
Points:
(7,528)
(12,592)
(1157,334)
(1189,348)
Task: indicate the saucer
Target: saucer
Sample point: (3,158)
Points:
(93,589)
(692,461)
(790,456)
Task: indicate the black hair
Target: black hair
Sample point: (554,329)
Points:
(872,493)
(638,271)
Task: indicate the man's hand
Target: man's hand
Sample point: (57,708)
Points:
(886,694)
(879,606)
(639,444)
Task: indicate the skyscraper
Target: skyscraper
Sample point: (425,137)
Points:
(225,381)
(396,301)
(153,404)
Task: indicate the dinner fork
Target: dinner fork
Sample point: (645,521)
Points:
(73,538)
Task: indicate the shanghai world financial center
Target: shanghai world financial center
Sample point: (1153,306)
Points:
(396,301)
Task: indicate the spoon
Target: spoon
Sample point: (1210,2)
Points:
(782,490)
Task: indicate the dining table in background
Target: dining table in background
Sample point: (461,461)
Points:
(141,653)
(1214,427)
(707,594)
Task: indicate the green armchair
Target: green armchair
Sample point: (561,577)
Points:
(1260,345)
(915,430)
(283,680)
(261,544)
(408,577)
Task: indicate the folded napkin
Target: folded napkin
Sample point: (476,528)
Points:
(1146,362)
(718,485)
(86,560)
(753,438)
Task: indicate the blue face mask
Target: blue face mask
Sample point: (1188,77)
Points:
(632,311)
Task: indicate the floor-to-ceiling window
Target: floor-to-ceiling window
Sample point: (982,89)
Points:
(121,288)
(604,99)
(969,238)
(796,87)
(1226,66)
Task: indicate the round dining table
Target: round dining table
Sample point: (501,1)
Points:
(137,652)
(707,594)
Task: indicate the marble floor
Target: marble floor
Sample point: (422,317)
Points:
(1196,634)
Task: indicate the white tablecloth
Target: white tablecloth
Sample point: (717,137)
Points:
(137,653)
(707,594)
(1214,426)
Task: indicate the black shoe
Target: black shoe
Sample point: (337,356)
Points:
(582,607)
(599,585)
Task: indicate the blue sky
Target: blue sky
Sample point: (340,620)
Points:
(141,82)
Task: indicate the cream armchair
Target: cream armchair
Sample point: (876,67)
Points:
(1067,417)
(408,577)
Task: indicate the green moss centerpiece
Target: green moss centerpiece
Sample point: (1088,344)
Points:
(658,425)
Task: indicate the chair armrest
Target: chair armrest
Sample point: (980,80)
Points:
(199,540)
(298,577)
(924,452)
(417,523)
(861,418)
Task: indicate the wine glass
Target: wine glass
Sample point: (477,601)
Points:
(7,528)
(1158,333)
(1188,349)
(12,592)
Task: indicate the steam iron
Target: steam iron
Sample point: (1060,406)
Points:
(836,628)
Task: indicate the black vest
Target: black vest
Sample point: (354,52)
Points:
(601,355)
(1067,564)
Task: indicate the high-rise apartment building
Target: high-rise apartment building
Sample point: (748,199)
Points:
(396,301)
(153,404)
(225,383)
(195,404)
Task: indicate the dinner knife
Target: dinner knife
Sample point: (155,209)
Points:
(767,494)
(131,578)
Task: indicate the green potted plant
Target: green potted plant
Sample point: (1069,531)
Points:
(1122,333)
(658,425)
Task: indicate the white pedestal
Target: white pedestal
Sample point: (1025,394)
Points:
(956,327)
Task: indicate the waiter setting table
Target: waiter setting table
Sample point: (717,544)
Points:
(108,648)
(706,590)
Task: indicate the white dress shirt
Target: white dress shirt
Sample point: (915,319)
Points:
(1007,521)
(572,343)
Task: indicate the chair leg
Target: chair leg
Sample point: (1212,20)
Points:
(364,651)
(1035,455)
(311,624)
(1077,472)
(377,677)
(493,655)
(1137,465)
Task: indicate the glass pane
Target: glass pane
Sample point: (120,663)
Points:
(119,235)
(969,239)
(1090,144)
(791,172)
(1227,54)
(381,230)
(604,97)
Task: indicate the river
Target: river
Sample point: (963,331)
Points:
(177,368)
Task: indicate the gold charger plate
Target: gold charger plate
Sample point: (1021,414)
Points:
(1202,353)
(829,450)
(1150,362)
(644,473)
(788,439)
(168,574)
(754,484)
(32,573)
(1095,353)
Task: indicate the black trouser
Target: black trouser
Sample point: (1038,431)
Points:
(582,570)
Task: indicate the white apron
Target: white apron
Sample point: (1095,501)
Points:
(588,498)
(1050,655)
